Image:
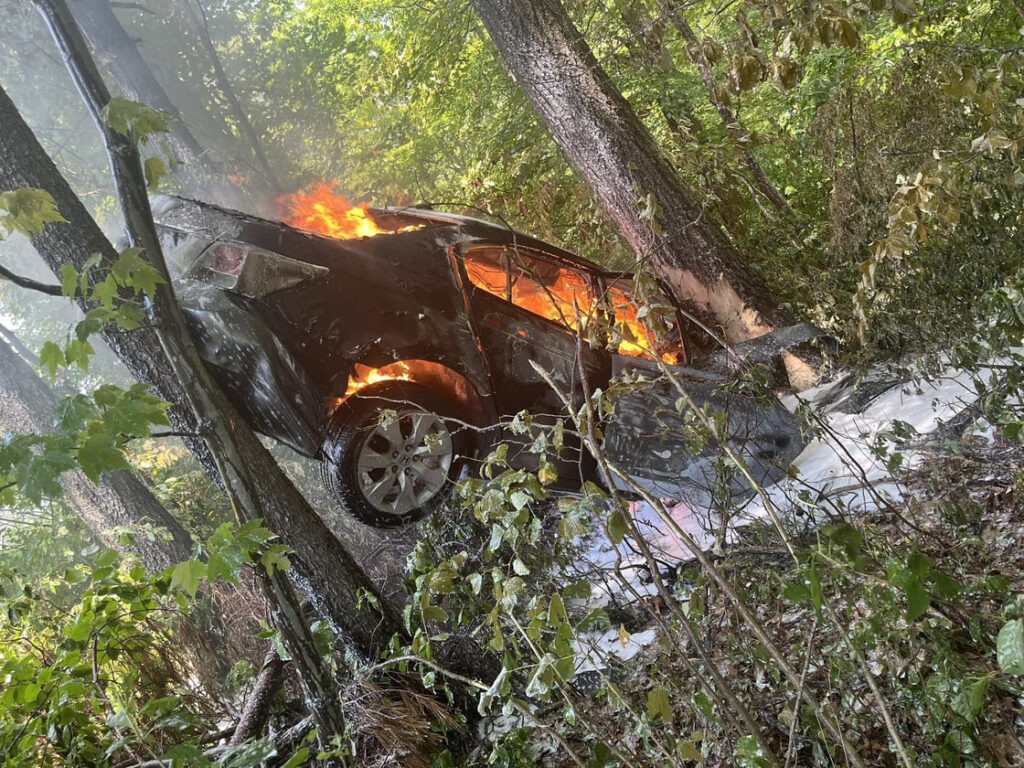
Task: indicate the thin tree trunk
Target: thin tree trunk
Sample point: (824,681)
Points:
(609,146)
(231,442)
(224,84)
(120,57)
(647,47)
(119,500)
(322,567)
(731,120)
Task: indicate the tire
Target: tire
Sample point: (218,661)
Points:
(389,472)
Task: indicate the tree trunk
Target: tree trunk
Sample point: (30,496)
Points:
(135,80)
(325,571)
(240,457)
(119,500)
(611,148)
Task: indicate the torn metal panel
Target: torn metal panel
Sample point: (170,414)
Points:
(655,442)
(270,389)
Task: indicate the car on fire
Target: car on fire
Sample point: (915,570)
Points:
(398,351)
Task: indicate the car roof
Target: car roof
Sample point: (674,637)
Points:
(162,204)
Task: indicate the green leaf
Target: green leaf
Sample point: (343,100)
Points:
(749,754)
(27,210)
(1010,647)
(68,281)
(248,754)
(275,558)
(38,475)
(132,119)
(51,357)
(687,750)
(155,171)
(219,567)
(601,756)
(132,412)
(658,706)
(105,292)
(299,758)
(82,629)
(132,271)
(969,702)
(78,352)
(918,599)
(99,453)
(186,576)
(617,526)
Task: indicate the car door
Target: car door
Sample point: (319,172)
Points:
(528,307)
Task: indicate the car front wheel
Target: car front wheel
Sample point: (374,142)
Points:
(393,452)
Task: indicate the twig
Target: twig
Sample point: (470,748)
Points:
(799,692)
(30,284)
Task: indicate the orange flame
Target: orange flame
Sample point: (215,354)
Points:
(364,376)
(321,210)
(566,298)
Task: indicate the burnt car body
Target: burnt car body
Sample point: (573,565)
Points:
(441,324)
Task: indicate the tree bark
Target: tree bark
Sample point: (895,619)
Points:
(119,500)
(609,146)
(120,57)
(257,707)
(322,567)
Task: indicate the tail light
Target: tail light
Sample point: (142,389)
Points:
(227,258)
(251,271)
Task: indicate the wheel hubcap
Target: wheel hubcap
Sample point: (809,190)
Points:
(404,463)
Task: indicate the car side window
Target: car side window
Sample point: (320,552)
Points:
(487,267)
(531,283)
(549,290)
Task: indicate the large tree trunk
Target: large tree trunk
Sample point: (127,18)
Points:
(325,571)
(119,500)
(611,148)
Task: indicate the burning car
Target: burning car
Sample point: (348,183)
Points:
(395,345)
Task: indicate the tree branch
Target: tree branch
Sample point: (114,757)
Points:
(30,284)
(257,706)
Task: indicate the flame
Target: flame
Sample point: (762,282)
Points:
(364,376)
(567,300)
(641,341)
(321,210)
